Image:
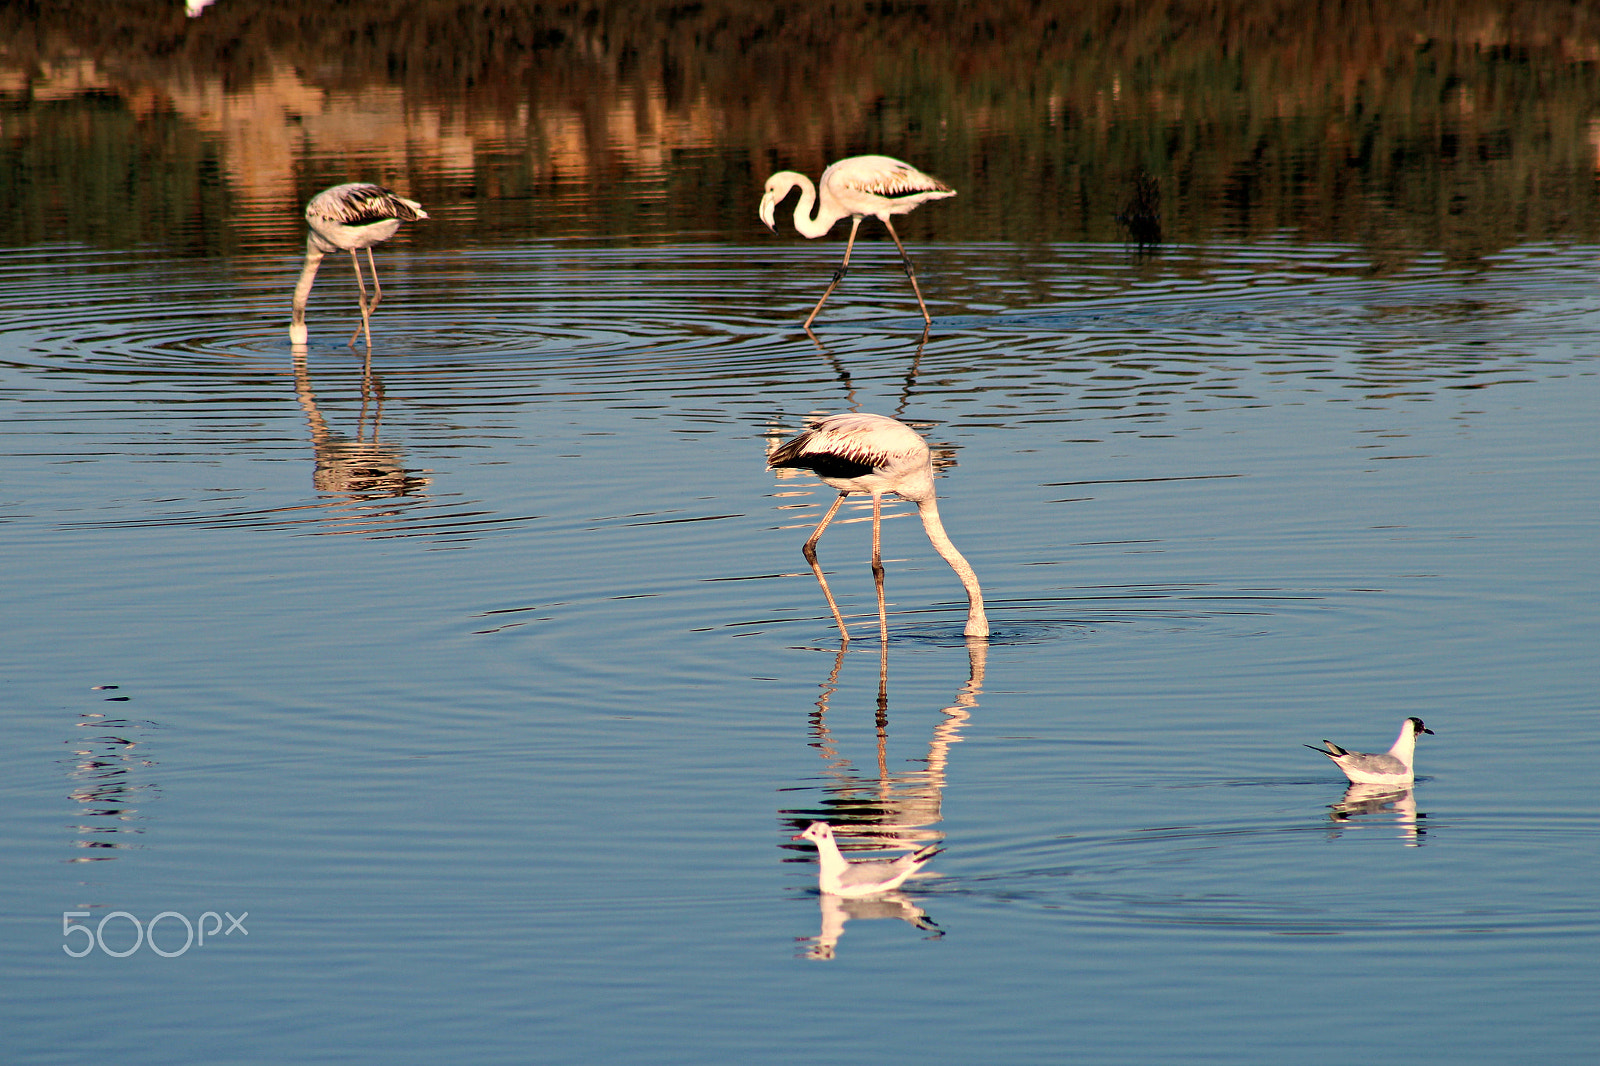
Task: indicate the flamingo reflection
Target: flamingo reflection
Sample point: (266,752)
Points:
(364,468)
(907,389)
(880,810)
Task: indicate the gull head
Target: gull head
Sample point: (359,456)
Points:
(816,832)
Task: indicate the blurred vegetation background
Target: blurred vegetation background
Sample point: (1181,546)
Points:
(1459,126)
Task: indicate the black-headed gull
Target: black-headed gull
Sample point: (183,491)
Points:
(1393,767)
(838,876)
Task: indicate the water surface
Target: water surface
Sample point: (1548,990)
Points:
(489,680)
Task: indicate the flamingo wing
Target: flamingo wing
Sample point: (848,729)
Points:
(857,439)
(361,204)
(881,175)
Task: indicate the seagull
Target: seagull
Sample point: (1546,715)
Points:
(838,876)
(1394,767)
(352,217)
(859,186)
(859,452)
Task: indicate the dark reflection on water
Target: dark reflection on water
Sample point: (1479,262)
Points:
(111,772)
(362,470)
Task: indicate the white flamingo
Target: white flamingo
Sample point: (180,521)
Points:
(1392,767)
(352,217)
(859,186)
(838,876)
(876,455)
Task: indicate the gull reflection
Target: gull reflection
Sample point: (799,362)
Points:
(836,910)
(361,469)
(109,775)
(1362,801)
(876,810)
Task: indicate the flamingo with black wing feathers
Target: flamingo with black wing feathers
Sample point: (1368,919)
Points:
(875,454)
(352,217)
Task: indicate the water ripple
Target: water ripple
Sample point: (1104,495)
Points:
(163,357)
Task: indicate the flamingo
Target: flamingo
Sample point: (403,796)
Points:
(876,454)
(859,186)
(838,876)
(1392,767)
(353,217)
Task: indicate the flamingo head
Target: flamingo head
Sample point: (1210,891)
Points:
(778,187)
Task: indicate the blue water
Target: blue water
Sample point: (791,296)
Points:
(492,685)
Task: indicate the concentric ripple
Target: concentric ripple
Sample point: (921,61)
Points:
(155,355)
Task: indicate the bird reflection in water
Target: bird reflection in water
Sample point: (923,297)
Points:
(1140,216)
(109,773)
(837,910)
(842,372)
(1362,801)
(883,811)
(362,469)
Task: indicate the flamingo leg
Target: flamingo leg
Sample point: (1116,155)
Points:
(810,550)
(366,309)
(881,720)
(883,699)
(877,568)
(911,272)
(838,275)
(377,290)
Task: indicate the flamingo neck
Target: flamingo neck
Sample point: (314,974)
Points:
(308,403)
(977,621)
(827,214)
(302,291)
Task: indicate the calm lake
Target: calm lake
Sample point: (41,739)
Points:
(460,704)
